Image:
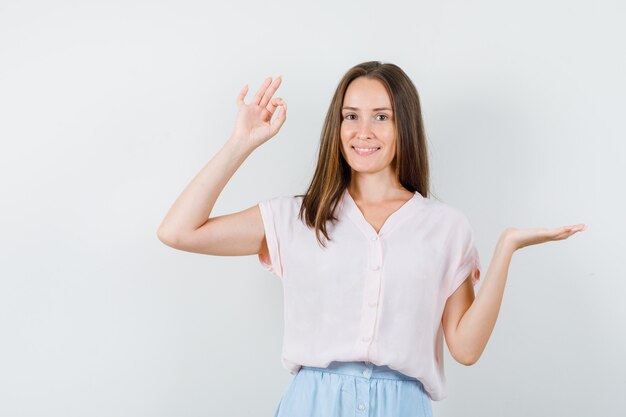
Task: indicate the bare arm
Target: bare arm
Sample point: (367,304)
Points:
(188,219)
(187,225)
(468,322)
(193,206)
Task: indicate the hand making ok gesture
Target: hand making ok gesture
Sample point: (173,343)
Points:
(253,126)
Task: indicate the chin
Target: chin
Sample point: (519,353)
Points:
(370,169)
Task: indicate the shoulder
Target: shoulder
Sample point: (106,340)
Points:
(283,200)
(282,205)
(444,212)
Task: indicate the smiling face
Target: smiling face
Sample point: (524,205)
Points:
(368,134)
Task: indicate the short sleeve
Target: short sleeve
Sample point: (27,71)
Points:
(270,213)
(464,255)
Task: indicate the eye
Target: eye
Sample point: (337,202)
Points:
(347,116)
(385,116)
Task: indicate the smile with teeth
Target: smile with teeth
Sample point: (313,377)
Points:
(365,151)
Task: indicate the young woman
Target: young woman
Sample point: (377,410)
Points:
(366,305)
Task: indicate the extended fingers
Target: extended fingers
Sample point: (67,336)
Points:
(578,227)
(263,95)
(269,92)
(566,231)
(261,91)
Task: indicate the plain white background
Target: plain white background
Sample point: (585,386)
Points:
(108,109)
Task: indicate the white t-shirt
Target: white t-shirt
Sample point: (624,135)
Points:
(368,296)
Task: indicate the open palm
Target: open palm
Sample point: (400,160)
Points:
(253,125)
(526,237)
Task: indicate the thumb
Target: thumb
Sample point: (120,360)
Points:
(281,116)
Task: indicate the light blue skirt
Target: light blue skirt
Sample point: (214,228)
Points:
(354,389)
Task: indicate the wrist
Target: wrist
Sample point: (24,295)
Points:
(238,146)
(506,242)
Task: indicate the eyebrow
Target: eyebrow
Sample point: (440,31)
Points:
(356,108)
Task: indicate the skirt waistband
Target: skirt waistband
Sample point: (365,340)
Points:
(363,369)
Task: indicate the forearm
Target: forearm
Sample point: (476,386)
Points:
(477,323)
(194,205)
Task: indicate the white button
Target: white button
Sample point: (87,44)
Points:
(366,372)
(376,267)
(372,304)
(361,406)
(375,238)
(366,339)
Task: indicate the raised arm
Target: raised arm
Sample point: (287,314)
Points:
(187,225)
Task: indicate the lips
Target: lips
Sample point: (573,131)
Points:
(365,151)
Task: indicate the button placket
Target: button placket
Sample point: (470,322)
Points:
(371,293)
(376,253)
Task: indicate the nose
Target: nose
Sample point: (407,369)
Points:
(364,130)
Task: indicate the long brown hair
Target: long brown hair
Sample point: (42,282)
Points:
(333,173)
